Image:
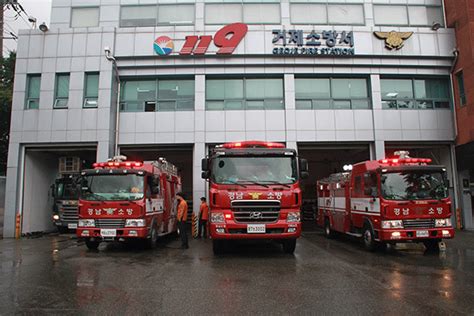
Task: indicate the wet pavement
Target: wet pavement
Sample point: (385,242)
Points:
(58,275)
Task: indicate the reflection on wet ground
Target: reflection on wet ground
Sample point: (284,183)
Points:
(57,274)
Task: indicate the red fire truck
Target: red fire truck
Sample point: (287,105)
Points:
(123,200)
(254,193)
(388,201)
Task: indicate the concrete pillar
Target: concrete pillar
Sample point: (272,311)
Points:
(377,150)
(199,185)
(13,193)
(292,145)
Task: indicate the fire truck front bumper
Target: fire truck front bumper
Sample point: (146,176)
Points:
(112,234)
(277,230)
(404,235)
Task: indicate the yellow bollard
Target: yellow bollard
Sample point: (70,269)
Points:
(18,226)
(195,226)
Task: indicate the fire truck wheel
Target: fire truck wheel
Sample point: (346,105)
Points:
(328,232)
(368,238)
(218,246)
(152,241)
(432,245)
(289,246)
(92,244)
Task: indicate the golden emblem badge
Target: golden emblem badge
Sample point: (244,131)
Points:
(393,40)
(255,195)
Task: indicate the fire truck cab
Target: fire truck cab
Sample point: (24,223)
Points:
(394,200)
(122,200)
(254,193)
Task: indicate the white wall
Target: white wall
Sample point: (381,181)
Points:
(40,173)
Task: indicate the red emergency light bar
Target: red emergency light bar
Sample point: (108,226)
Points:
(396,161)
(116,164)
(252,144)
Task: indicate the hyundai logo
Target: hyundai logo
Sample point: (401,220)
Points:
(256,215)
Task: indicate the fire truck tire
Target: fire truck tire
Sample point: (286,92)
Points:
(150,243)
(328,232)
(368,238)
(218,246)
(432,245)
(92,244)
(289,246)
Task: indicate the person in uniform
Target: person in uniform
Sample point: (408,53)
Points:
(182,216)
(203,217)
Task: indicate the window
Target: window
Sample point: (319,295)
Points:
(462,92)
(85,17)
(415,93)
(412,15)
(61,91)
(244,94)
(143,15)
(176,14)
(344,14)
(250,13)
(33,83)
(331,93)
(152,15)
(91,90)
(157,95)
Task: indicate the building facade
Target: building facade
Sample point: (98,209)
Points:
(341,81)
(460,16)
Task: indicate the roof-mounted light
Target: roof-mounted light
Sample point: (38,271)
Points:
(407,161)
(118,164)
(252,144)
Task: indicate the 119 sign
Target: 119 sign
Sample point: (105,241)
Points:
(226,39)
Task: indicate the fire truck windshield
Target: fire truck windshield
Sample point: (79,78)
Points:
(65,190)
(414,185)
(112,187)
(261,170)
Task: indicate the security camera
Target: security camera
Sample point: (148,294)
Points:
(107,49)
(436,26)
(43,27)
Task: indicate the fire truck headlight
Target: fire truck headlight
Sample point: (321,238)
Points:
(135,223)
(56,217)
(293,217)
(217,218)
(86,223)
(443,222)
(397,224)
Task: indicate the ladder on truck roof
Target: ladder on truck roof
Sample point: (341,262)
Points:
(164,165)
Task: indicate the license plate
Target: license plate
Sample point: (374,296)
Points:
(422,233)
(72,226)
(108,232)
(256,228)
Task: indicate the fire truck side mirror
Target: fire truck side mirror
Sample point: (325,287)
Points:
(304,175)
(205,175)
(204,164)
(303,165)
(53,190)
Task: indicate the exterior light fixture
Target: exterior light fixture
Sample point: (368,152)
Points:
(43,27)
(435,26)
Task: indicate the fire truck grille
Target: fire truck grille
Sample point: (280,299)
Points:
(69,214)
(110,223)
(419,223)
(259,211)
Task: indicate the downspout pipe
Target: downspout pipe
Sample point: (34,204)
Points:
(112,59)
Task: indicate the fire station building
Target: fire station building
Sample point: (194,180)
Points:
(341,81)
